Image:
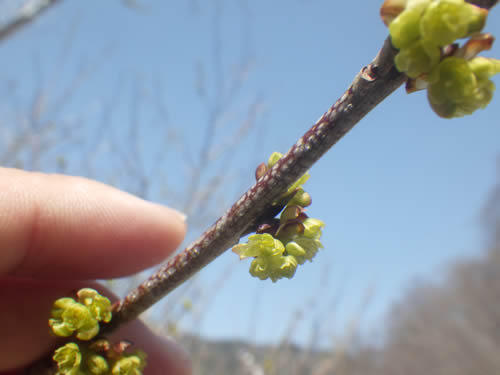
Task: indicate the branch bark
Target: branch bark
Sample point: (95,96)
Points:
(28,13)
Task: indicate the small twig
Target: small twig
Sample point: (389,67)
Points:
(28,13)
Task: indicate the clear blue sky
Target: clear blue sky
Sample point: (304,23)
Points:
(400,194)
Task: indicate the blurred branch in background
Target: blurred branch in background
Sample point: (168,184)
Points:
(36,132)
(28,13)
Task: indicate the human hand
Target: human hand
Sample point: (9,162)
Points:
(57,232)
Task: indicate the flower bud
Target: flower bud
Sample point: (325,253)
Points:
(273,159)
(98,305)
(287,268)
(289,231)
(259,268)
(69,316)
(405,28)
(260,171)
(311,246)
(291,212)
(131,365)
(97,364)
(301,198)
(259,245)
(484,68)
(418,58)
(293,248)
(460,87)
(312,228)
(68,359)
(297,184)
(445,21)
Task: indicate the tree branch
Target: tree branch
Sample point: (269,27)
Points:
(28,13)
(375,82)
(372,85)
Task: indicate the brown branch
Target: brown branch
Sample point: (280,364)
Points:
(28,13)
(488,4)
(375,82)
(372,85)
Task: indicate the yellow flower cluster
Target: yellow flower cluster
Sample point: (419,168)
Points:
(294,239)
(425,31)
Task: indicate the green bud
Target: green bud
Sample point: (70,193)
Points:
(311,246)
(101,345)
(70,316)
(59,326)
(260,268)
(293,248)
(88,330)
(97,365)
(287,268)
(131,365)
(275,267)
(420,57)
(273,159)
(301,198)
(291,212)
(445,21)
(484,68)
(297,184)
(289,231)
(259,245)
(405,28)
(461,87)
(98,305)
(271,260)
(312,228)
(68,359)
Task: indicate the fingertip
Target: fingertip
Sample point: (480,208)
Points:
(70,227)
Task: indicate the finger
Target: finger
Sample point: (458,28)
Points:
(163,355)
(26,337)
(54,226)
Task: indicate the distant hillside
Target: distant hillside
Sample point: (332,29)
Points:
(227,357)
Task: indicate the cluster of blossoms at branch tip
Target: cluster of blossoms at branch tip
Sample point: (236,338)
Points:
(81,317)
(425,31)
(279,246)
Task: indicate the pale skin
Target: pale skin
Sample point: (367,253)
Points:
(57,234)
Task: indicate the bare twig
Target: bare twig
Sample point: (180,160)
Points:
(27,14)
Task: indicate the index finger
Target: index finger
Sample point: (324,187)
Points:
(54,226)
